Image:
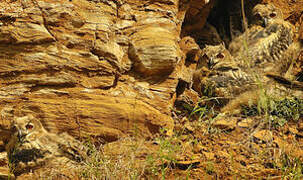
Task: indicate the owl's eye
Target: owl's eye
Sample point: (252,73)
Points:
(272,15)
(29,126)
(220,56)
(14,129)
(258,16)
(205,56)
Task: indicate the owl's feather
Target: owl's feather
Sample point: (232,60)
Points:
(286,82)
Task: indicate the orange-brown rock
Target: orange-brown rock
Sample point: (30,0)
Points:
(4,170)
(89,112)
(190,48)
(154,51)
(263,135)
(93,68)
(301,27)
(187,66)
(104,69)
(196,15)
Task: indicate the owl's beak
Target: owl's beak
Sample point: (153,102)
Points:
(17,132)
(211,63)
(20,135)
(264,21)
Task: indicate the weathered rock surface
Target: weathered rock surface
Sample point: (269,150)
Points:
(154,51)
(105,69)
(4,170)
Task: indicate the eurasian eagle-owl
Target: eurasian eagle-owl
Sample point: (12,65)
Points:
(217,74)
(268,45)
(32,147)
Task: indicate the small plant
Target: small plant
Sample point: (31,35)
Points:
(209,90)
(206,115)
(280,111)
(103,165)
(291,167)
(165,157)
(277,111)
(203,109)
(288,108)
(210,168)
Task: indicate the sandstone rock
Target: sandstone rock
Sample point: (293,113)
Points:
(154,51)
(4,173)
(190,48)
(301,28)
(3,157)
(288,148)
(96,115)
(77,65)
(246,123)
(34,34)
(72,51)
(188,63)
(113,53)
(4,170)
(226,123)
(196,15)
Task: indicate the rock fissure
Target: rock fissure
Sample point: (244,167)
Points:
(44,20)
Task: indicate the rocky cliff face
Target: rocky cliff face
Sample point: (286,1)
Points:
(91,68)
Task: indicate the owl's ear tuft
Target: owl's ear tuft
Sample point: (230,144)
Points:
(205,56)
(222,44)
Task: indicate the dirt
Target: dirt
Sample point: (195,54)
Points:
(198,152)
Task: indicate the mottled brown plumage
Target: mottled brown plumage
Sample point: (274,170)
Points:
(265,46)
(217,73)
(32,147)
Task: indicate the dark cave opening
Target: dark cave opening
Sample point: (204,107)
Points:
(224,22)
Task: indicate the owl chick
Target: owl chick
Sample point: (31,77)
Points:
(264,46)
(32,147)
(217,74)
(214,56)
